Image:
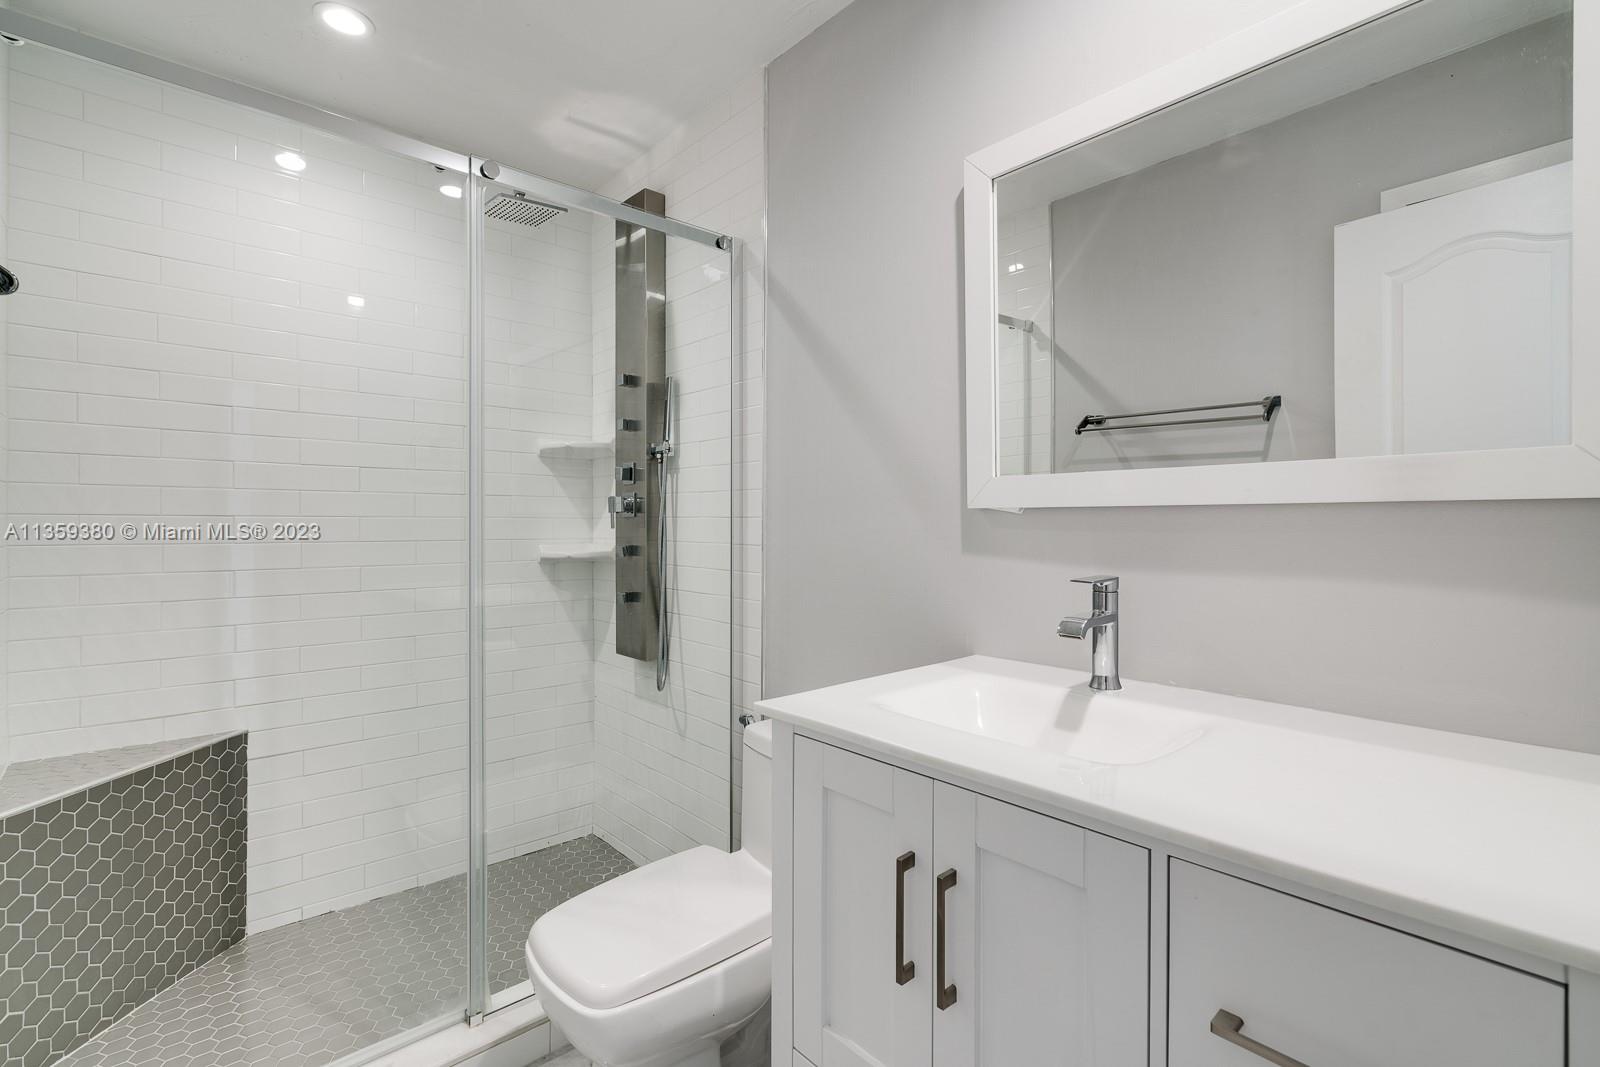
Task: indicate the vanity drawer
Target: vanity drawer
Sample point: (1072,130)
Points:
(1326,989)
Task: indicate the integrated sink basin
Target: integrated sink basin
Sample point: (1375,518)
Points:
(1076,722)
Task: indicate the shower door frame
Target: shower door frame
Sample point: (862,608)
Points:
(42,32)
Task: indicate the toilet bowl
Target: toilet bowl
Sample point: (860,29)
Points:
(655,968)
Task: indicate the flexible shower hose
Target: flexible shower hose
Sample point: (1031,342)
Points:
(663,457)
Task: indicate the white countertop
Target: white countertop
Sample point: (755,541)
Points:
(1491,839)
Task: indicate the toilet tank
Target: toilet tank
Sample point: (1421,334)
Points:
(755,822)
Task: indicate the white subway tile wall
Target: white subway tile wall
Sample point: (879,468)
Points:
(205,336)
(662,761)
(1024,358)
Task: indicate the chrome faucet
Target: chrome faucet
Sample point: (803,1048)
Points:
(1100,626)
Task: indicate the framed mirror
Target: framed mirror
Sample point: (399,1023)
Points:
(1330,258)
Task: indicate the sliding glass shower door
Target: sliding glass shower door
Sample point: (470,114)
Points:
(603,353)
(238,360)
(346,417)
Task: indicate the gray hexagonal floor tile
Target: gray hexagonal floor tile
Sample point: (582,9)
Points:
(306,994)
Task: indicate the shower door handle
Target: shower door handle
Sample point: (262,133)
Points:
(904,969)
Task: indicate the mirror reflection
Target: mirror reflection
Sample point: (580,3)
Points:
(1363,249)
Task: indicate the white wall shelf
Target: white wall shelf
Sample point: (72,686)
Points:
(575,550)
(576,449)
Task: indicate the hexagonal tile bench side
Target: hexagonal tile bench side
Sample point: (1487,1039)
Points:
(110,895)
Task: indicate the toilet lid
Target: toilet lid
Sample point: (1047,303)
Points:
(654,926)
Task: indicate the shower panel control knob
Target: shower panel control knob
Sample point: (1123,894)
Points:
(629,598)
(628,473)
(629,425)
(632,504)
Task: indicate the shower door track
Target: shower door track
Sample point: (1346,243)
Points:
(40,31)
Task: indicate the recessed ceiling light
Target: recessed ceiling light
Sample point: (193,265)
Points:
(13,41)
(356,301)
(290,161)
(452,191)
(345,20)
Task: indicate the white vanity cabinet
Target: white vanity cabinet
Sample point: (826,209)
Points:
(931,925)
(935,925)
(985,863)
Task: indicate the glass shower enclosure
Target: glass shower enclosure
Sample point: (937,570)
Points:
(603,580)
(480,660)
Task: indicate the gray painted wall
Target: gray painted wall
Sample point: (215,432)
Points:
(1479,617)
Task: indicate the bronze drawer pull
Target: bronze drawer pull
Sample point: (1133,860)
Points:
(946,994)
(904,969)
(1226,1025)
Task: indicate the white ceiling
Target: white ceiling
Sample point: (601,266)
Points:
(571,89)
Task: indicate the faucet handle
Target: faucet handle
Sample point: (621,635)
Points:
(1103,583)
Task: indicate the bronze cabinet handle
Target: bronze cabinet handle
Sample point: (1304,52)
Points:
(904,969)
(945,994)
(1226,1025)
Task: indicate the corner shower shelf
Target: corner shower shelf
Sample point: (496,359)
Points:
(576,449)
(575,550)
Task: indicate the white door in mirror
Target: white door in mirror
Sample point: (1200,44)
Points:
(1452,321)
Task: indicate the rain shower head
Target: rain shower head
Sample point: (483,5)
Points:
(514,207)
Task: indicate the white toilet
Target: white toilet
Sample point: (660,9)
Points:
(657,967)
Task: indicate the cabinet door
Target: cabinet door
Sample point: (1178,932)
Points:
(1046,932)
(862,912)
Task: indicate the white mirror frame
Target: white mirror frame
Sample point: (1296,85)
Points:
(1500,474)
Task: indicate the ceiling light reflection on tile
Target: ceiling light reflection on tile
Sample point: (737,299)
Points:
(452,191)
(356,301)
(291,161)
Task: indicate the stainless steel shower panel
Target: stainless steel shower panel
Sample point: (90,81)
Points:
(641,391)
